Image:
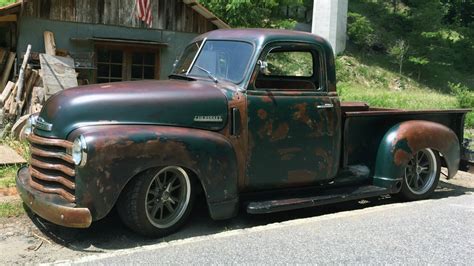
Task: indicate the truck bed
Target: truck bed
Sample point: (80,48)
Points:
(365,126)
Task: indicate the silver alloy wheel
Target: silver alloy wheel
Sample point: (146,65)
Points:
(167,196)
(420,173)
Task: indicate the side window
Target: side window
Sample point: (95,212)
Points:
(290,64)
(292,67)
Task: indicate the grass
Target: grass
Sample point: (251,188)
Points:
(8,172)
(368,78)
(11,209)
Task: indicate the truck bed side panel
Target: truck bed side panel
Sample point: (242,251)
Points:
(363,131)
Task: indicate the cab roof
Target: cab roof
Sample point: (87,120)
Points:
(260,37)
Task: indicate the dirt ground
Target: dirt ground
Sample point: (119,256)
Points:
(29,239)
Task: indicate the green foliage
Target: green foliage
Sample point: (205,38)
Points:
(465,98)
(399,51)
(292,63)
(360,30)
(6,2)
(254,13)
(7,176)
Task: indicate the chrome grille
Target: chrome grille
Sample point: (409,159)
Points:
(51,167)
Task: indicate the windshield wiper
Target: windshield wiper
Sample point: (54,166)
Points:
(181,76)
(209,74)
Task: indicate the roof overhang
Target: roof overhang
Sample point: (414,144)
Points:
(118,41)
(194,4)
(11,9)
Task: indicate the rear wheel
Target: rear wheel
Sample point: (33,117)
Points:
(157,203)
(421,175)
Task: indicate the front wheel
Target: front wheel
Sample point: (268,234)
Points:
(157,203)
(421,175)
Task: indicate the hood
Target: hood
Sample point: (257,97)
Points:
(195,104)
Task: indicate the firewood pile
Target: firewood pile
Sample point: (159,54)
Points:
(32,87)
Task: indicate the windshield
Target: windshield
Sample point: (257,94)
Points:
(224,60)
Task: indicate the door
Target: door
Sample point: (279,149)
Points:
(293,123)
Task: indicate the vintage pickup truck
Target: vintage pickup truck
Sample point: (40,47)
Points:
(248,118)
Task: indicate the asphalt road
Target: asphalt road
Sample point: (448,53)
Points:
(437,231)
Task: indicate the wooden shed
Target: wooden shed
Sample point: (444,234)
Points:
(105,38)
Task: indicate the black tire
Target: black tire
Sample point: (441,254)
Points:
(421,175)
(144,201)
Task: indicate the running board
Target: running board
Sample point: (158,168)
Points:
(326,197)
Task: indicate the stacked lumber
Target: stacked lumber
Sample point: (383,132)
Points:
(24,96)
(34,86)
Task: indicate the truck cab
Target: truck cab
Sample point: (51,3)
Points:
(248,117)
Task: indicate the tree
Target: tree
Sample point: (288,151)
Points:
(419,62)
(254,13)
(399,51)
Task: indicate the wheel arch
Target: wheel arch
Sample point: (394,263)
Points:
(117,154)
(403,140)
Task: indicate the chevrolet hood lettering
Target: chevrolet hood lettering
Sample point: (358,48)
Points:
(171,102)
(208,118)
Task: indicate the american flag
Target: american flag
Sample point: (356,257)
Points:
(144,11)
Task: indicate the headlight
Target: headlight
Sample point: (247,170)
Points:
(79,148)
(30,122)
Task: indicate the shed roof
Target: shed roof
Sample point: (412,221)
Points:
(10,9)
(194,4)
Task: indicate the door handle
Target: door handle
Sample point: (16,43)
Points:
(326,106)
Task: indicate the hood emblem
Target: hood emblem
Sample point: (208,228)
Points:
(43,125)
(208,118)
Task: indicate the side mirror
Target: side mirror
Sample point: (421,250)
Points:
(263,66)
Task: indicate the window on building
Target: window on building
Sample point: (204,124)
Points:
(109,65)
(121,64)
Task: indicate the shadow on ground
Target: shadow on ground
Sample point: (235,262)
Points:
(111,234)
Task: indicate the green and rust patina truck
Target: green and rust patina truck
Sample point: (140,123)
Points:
(247,118)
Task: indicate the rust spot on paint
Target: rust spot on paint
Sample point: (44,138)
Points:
(401,157)
(262,114)
(301,114)
(300,176)
(288,153)
(281,132)
(266,130)
(267,99)
(422,134)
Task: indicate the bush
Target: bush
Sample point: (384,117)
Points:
(360,30)
(465,98)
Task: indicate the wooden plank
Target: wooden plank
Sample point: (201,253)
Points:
(158,11)
(55,10)
(6,92)
(58,73)
(7,69)
(32,81)
(180,16)
(9,156)
(127,14)
(21,76)
(10,100)
(111,9)
(8,18)
(45,6)
(49,43)
(68,10)
(189,19)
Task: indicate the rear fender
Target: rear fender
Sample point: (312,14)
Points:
(117,153)
(403,140)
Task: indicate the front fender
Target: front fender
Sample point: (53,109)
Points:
(117,153)
(403,140)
